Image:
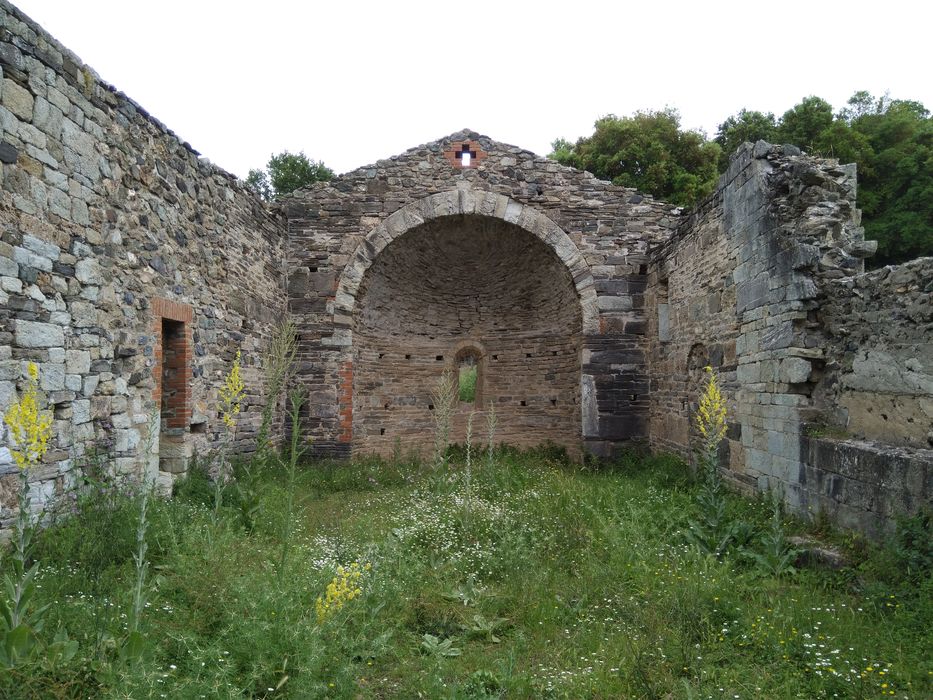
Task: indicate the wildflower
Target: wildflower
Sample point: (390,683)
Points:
(231,394)
(711,416)
(342,589)
(30,428)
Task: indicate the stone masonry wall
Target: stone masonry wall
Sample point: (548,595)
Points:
(131,272)
(693,324)
(467,285)
(108,224)
(609,230)
(878,333)
(787,239)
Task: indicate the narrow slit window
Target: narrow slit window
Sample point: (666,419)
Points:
(466,377)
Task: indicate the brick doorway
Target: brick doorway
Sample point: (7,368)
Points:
(173,390)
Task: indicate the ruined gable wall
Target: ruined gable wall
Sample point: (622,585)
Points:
(107,222)
(611,226)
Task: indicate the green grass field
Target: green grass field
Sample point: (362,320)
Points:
(534,578)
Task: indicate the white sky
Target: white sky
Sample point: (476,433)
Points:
(351,82)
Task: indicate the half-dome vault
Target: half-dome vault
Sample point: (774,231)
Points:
(468,289)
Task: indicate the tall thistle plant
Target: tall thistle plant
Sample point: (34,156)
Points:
(30,431)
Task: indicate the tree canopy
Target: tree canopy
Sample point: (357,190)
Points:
(285,173)
(648,151)
(891,141)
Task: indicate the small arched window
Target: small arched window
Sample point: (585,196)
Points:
(466,376)
(469,371)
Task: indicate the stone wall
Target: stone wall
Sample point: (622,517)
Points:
(108,225)
(877,383)
(132,270)
(599,232)
(765,284)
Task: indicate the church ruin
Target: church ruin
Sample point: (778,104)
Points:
(132,270)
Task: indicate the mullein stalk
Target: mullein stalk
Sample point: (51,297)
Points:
(469,467)
(491,421)
(295,452)
(231,398)
(141,561)
(444,395)
(31,430)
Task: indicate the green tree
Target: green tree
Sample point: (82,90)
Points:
(891,141)
(896,177)
(285,173)
(804,123)
(747,125)
(648,151)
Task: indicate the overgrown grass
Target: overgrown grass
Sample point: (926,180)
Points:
(558,583)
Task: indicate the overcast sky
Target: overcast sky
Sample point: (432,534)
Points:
(351,82)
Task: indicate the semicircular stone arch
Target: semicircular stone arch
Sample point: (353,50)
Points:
(466,202)
(457,269)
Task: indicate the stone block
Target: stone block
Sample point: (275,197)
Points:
(13,285)
(8,267)
(751,294)
(795,370)
(78,361)
(83,314)
(31,259)
(51,376)
(88,271)
(609,303)
(33,334)
(48,118)
(17,99)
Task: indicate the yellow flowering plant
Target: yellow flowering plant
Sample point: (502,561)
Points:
(231,397)
(341,590)
(711,416)
(231,394)
(30,431)
(710,422)
(30,426)
(713,531)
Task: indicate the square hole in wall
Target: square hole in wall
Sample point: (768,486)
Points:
(527,354)
(553,402)
(382,431)
(523,403)
(439,358)
(407,357)
(495,357)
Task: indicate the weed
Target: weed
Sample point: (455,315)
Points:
(444,396)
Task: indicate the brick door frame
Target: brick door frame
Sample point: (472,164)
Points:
(167,310)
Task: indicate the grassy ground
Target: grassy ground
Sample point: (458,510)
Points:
(531,579)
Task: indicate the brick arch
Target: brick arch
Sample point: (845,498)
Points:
(466,202)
